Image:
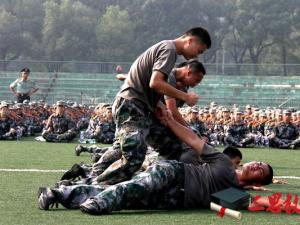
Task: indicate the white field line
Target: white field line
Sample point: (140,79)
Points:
(287,177)
(32,170)
(59,171)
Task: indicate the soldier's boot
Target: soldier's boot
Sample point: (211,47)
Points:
(46,198)
(75,172)
(295,144)
(79,149)
(92,207)
(247,142)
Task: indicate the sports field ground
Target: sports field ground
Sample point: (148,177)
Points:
(18,190)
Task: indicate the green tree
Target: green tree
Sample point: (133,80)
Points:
(68,31)
(10,36)
(115,35)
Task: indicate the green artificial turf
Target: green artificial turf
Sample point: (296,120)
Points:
(18,190)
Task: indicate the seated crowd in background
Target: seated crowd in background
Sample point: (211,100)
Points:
(239,127)
(60,122)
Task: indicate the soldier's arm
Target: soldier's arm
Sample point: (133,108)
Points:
(49,125)
(158,83)
(33,91)
(185,134)
(12,87)
(171,105)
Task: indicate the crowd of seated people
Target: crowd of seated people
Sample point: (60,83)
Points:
(246,127)
(60,122)
(237,126)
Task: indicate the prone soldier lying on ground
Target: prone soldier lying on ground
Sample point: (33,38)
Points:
(166,184)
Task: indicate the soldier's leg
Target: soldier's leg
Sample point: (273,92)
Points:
(132,121)
(158,179)
(278,143)
(70,197)
(108,138)
(93,149)
(50,137)
(231,141)
(110,156)
(67,136)
(248,141)
(295,144)
(133,149)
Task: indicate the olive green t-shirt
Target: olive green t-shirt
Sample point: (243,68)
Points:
(213,172)
(160,57)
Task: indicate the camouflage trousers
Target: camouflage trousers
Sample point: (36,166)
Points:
(65,137)
(106,137)
(8,136)
(160,187)
(284,143)
(239,141)
(137,128)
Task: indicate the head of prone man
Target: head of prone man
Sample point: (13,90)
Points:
(193,42)
(234,154)
(255,174)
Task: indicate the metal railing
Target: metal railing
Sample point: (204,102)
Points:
(109,67)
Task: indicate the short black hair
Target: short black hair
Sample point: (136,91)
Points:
(268,179)
(201,33)
(25,70)
(194,64)
(232,152)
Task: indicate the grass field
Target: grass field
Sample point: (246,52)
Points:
(18,199)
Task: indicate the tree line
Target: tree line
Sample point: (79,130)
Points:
(243,31)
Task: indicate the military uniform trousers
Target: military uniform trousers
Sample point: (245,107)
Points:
(160,187)
(136,128)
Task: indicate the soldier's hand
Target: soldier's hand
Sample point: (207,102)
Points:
(191,99)
(276,181)
(160,111)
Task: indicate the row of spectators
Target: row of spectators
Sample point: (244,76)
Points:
(248,127)
(57,123)
(251,127)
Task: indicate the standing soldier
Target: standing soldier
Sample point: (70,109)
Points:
(22,87)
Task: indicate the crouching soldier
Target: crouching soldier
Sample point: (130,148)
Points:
(59,128)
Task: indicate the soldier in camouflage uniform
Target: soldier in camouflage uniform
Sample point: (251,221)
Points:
(195,123)
(59,128)
(258,130)
(165,185)
(107,128)
(285,134)
(237,132)
(93,130)
(217,137)
(8,130)
(139,98)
